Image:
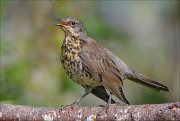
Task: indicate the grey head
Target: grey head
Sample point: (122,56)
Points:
(72,26)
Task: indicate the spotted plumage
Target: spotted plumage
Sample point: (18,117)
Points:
(72,62)
(94,67)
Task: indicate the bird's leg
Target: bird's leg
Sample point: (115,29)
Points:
(110,96)
(106,107)
(109,102)
(87,91)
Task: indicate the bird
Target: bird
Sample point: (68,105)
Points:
(94,67)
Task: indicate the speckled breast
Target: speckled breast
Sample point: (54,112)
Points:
(73,64)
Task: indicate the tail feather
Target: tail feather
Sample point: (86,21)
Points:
(146,81)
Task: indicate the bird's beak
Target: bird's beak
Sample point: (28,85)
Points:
(61,23)
(57,25)
(58,20)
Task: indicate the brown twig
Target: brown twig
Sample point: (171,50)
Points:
(165,112)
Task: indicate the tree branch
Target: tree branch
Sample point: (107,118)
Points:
(165,112)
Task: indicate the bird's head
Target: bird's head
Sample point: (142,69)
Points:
(72,26)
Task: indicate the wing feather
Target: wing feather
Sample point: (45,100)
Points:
(97,60)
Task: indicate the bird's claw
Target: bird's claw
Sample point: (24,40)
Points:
(63,107)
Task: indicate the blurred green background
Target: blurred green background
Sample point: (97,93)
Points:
(143,34)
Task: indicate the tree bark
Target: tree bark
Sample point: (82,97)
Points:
(165,112)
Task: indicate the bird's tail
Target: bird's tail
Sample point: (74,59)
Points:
(146,81)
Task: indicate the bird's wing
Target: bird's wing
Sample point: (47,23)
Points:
(97,61)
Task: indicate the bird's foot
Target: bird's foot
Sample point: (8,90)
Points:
(105,108)
(119,104)
(125,104)
(63,107)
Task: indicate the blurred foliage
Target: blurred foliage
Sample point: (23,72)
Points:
(31,72)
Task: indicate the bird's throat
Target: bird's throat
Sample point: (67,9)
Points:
(70,48)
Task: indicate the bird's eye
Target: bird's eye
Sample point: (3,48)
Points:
(73,22)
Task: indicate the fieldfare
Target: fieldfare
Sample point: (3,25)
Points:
(94,67)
